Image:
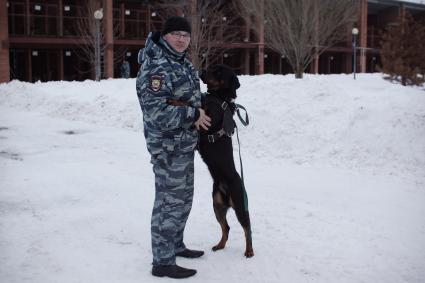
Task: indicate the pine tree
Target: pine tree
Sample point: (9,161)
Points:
(401,51)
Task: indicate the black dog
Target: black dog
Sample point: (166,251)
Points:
(216,150)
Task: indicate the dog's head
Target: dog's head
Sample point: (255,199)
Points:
(220,78)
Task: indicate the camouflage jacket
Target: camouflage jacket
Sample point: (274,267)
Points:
(166,74)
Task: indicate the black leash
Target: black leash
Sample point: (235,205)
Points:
(240,156)
(245,123)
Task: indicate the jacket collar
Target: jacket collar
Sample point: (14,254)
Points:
(157,47)
(171,52)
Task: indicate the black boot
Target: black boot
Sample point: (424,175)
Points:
(190,253)
(172,271)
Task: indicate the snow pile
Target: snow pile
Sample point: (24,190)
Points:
(109,102)
(334,120)
(329,120)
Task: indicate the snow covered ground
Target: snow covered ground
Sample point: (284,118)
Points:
(334,169)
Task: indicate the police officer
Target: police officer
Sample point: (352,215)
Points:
(169,95)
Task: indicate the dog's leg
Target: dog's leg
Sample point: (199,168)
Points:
(239,202)
(243,217)
(249,251)
(244,220)
(220,210)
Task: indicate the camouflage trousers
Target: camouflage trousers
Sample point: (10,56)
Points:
(174,178)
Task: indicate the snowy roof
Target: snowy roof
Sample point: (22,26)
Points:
(410,4)
(421,2)
(415,2)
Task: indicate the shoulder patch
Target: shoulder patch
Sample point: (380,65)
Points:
(156,82)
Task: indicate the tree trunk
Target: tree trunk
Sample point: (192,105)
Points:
(299,70)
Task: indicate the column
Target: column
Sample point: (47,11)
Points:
(60,54)
(260,48)
(246,55)
(246,61)
(363,35)
(28,18)
(60,20)
(108,55)
(4,43)
(122,20)
(29,69)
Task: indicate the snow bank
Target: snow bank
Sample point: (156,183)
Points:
(321,120)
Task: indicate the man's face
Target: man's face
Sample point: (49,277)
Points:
(179,40)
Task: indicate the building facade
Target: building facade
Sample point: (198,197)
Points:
(41,40)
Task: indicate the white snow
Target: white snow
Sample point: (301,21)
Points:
(334,169)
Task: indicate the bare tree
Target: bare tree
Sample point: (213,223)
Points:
(251,12)
(86,28)
(213,26)
(301,29)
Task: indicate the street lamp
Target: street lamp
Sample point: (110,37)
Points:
(98,16)
(354,32)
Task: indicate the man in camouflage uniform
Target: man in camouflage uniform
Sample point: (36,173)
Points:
(170,98)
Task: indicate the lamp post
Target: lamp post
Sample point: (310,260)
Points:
(98,16)
(354,32)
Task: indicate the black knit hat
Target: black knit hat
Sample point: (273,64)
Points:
(176,24)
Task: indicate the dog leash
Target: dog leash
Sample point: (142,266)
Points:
(245,123)
(245,196)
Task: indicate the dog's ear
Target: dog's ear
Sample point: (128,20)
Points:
(228,75)
(234,82)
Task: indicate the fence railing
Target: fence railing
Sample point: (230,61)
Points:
(49,25)
(45,25)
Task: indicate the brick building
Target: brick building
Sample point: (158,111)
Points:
(39,40)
